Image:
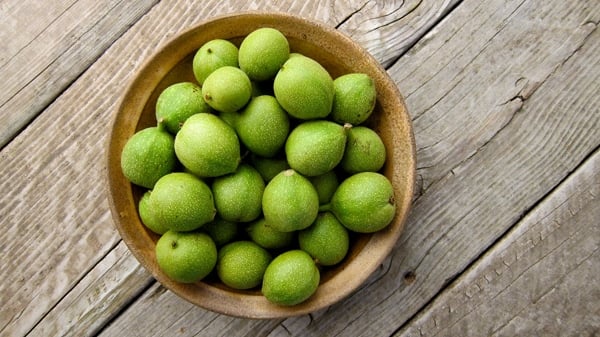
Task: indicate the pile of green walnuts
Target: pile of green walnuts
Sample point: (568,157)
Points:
(259,173)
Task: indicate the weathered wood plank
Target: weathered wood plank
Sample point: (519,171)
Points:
(489,64)
(388,28)
(26,19)
(46,45)
(54,210)
(541,279)
(55,226)
(161,313)
(109,286)
(53,170)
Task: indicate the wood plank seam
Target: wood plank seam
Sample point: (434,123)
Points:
(73,286)
(448,11)
(524,244)
(40,33)
(141,291)
(531,246)
(527,246)
(445,9)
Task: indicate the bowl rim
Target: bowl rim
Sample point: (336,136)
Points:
(206,295)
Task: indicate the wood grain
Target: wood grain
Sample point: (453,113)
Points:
(387,29)
(17,20)
(107,287)
(56,43)
(540,279)
(477,72)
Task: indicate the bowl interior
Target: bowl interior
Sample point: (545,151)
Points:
(339,55)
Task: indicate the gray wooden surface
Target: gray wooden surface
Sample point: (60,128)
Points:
(504,233)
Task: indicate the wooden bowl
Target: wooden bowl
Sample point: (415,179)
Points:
(338,54)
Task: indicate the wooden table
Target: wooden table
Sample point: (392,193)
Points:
(504,234)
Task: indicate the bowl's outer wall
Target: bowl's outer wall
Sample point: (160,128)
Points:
(339,55)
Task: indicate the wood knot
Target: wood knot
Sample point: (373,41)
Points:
(409,277)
